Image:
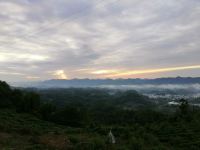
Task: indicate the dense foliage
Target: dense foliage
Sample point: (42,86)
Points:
(82,118)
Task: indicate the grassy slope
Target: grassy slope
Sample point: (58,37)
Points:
(23,132)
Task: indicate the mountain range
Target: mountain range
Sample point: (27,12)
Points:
(57,83)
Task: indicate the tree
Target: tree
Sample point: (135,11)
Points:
(47,110)
(70,116)
(5,95)
(184,107)
(30,103)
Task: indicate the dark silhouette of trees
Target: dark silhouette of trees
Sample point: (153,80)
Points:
(184,107)
(5,95)
(47,110)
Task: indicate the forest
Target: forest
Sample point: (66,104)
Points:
(90,118)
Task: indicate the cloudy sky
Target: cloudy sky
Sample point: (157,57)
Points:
(64,39)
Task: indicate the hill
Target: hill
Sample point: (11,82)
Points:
(28,122)
(102,82)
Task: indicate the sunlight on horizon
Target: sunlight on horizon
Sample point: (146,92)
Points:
(119,73)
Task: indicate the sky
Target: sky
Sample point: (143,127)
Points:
(65,39)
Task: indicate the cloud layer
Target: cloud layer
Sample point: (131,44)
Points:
(75,38)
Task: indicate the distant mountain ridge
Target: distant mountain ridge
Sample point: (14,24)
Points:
(100,82)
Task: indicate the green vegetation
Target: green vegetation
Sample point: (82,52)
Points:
(80,119)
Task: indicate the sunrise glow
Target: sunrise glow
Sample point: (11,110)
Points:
(151,71)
